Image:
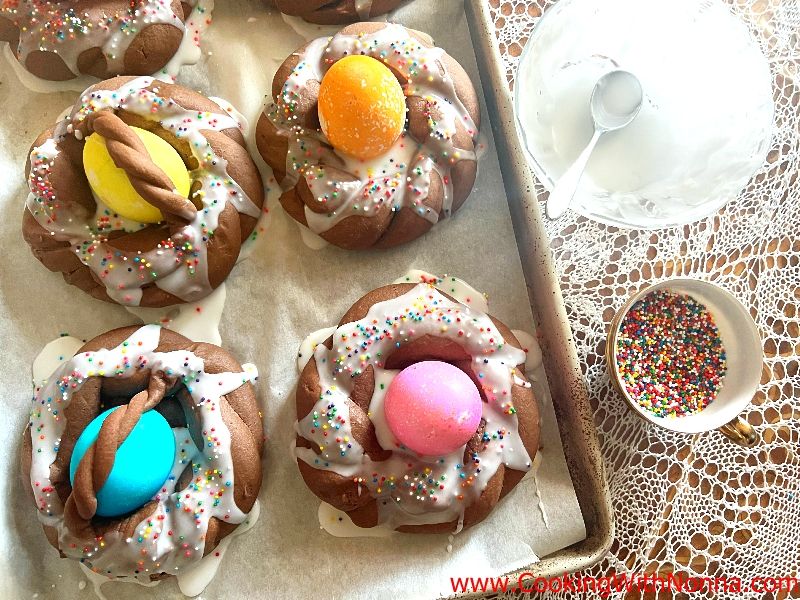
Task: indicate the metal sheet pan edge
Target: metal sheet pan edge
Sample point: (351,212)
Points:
(570,398)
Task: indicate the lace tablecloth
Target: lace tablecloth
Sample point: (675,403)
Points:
(698,505)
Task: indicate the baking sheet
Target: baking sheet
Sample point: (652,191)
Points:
(284,291)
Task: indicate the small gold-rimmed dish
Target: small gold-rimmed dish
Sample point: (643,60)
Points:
(744,357)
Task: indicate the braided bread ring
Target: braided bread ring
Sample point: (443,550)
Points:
(345,452)
(67,39)
(325,12)
(209,391)
(398,197)
(181,260)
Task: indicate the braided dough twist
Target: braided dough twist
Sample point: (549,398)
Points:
(130,154)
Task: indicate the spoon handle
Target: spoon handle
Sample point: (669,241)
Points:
(560,198)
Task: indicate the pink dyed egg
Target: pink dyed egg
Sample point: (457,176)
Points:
(433,408)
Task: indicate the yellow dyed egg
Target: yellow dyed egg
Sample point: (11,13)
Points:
(362,108)
(112,186)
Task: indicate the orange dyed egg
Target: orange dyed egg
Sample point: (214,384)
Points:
(362,108)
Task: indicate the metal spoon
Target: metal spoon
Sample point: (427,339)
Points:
(616,100)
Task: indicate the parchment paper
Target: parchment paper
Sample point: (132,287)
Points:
(281,293)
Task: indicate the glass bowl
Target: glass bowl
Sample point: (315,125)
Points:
(705,124)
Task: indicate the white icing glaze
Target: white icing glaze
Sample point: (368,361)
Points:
(383,379)
(265,174)
(423,35)
(339,524)
(250,244)
(466,294)
(64,114)
(107,219)
(363,8)
(98,580)
(189,51)
(198,321)
(306,30)
(311,239)
(410,489)
(531,477)
(309,31)
(185,513)
(452,286)
(481,145)
(52,356)
(43,86)
(95,579)
(177,265)
(533,359)
(67,33)
(194,579)
(310,344)
(402,176)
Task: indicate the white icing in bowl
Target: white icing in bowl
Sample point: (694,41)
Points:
(705,125)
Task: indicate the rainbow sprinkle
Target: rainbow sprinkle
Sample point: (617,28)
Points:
(670,356)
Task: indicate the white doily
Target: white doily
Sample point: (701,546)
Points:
(698,505)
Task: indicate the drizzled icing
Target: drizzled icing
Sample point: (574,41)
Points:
(193,580)
(199,321)
(402,176)
(194,27)
(173,536)
(411,489)
(52,356)
(532,348)
(454,287)
(363,8)
(57,27)
(339,524)
(179,264)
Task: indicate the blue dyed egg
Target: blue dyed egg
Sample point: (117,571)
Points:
(142,464)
